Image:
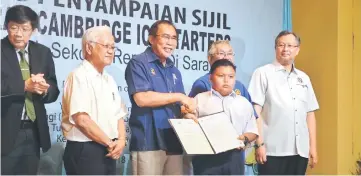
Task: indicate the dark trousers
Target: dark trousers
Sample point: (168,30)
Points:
(226,163)
(284,165)
(87,158)
(25,155)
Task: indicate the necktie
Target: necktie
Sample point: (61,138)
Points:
(25,71)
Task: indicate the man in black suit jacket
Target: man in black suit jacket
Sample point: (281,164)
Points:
(23,133)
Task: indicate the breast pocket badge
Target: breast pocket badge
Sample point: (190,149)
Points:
(301,83)
(152,71)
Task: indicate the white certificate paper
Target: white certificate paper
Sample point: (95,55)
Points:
(191,136)
(220,132)
(214,134)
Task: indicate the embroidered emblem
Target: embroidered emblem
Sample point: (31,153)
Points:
(152,71)
(299,80)
(237,91)
(174,78)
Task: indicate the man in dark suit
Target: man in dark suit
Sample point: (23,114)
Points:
(28,81)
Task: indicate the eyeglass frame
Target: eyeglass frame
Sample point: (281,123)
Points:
(17,28)
(105,46)
(167,37)
(225,54)
(283,45)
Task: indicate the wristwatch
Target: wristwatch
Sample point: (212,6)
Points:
(256,146)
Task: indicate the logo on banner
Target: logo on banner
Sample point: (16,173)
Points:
(152,71)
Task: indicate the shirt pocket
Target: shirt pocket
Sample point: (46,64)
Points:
(302,92)
(116,107)
(302,96)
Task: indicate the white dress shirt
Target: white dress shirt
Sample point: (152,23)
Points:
(238,109)
(86,90)
(286,99)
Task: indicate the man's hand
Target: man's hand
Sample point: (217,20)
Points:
(313,158)
(43,86)
(261,154)
(36,84)
(111,145)
(189,104)
(116,149)
(241,138)
(38,78)
(191,116)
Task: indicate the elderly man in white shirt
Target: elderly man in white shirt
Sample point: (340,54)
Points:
(222,98)
(93,111)
(284,98)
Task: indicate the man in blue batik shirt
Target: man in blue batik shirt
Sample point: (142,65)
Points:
(222,49)
(156,92)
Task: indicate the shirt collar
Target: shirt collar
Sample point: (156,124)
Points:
(152,57)
(92,71)
(279,67)
(217,94)
(26,49)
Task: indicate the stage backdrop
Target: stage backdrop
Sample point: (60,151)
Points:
(251,26)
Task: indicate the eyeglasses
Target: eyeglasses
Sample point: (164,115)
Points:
(109,47)
(282,45)
(15,28)
(167,37)
(225,54)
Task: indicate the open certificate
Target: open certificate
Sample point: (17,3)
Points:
(214,134)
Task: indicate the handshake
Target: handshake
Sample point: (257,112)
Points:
(188,105)
(36,84)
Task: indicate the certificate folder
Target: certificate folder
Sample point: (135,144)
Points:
(212,135)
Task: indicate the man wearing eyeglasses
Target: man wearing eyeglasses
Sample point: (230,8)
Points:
(284,98)
(93,111)
(222,49)
(219,49)
(28,81)
(156,92)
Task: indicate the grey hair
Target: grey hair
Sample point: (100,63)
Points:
(213,46)
(92,34)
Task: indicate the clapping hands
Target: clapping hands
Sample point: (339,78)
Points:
(36,84)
